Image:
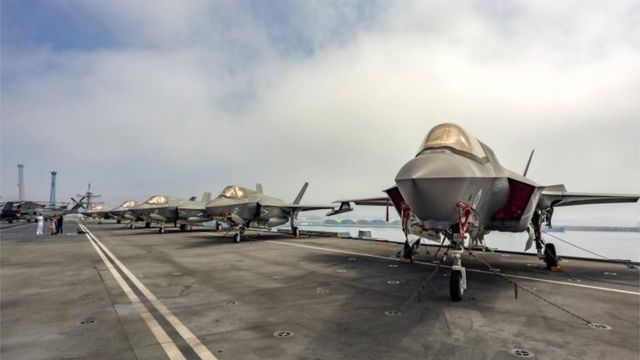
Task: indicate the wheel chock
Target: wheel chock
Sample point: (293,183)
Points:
(406,260)
(557,269)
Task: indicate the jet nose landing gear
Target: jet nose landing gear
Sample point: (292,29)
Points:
(458,278)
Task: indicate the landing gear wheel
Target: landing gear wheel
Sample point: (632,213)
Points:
(296,231)
(184,227)
(218,227)
(236,238)
(550,258)
(456,290)
(147,224)
(131,226)
(118,221)
(161,230)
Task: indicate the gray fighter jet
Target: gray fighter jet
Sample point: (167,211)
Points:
(455,186)
(123,212)
(29,210)
(98,212)
(165,209)
(242,208)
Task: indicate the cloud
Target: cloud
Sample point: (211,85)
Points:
(198,95)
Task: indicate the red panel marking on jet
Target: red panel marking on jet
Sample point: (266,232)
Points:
(397,199)
(517,203)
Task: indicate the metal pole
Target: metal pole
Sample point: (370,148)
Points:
(20,182)
(52,196)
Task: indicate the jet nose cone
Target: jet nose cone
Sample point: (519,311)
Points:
(433,184)
(438,165)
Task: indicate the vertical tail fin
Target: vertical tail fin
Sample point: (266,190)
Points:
(259,188)
(526,169)
(206,197)
(300,194)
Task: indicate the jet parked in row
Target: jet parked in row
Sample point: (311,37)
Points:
(163,209)
(242,208)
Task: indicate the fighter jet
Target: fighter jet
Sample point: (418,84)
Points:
(97,212)
(123,212)
(29,210)
(120,213)
(164,209)
(455,186)
(242,208)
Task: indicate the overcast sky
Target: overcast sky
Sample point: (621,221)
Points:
(182,97)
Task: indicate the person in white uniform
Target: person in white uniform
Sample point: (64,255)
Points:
(40,219)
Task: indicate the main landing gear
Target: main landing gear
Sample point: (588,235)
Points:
(185,227)
(546,251)
(236,236)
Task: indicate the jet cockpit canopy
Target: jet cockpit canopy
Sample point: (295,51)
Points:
(128,204)
(158,200)
(454,137)
(233,192)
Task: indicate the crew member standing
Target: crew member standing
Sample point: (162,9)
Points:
(52,225)
(40,219)
(60,217)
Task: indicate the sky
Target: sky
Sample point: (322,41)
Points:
(181,97)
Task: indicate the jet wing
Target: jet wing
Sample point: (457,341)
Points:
(298,207)
(564,198)
(345,205)
(375,201)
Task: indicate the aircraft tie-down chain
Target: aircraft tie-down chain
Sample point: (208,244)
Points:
(516,286)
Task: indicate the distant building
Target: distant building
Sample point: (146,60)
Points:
(347,222)
(331,222)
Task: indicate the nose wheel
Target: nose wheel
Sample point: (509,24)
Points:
(458,276)
(457,284)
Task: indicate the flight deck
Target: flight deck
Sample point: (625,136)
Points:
(117,293)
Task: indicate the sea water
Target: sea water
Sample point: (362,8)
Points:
(607,244)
